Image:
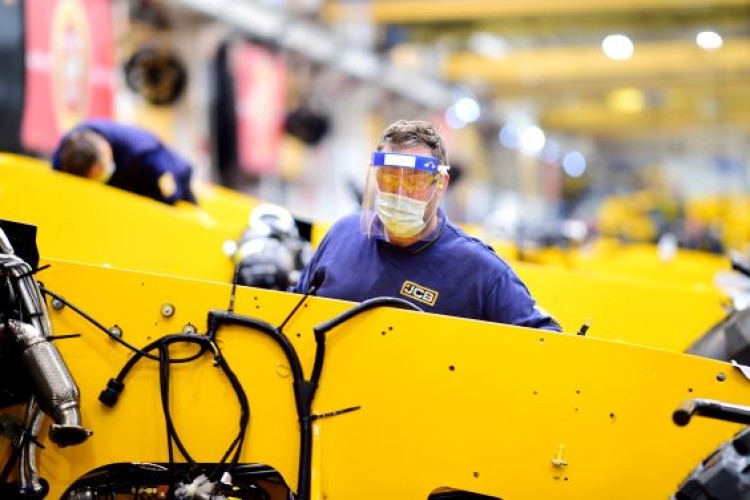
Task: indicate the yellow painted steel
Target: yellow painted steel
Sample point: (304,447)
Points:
(629,309)
(445,402)
(642,260)
(665,305)
(85,221)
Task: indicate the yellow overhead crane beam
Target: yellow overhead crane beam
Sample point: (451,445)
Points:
(680,61)
(427,11)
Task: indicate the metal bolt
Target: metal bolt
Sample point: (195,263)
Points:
(116,331)
(57,304)
(167,310)
(189,329)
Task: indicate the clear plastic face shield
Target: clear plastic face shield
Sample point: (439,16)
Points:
(401,195)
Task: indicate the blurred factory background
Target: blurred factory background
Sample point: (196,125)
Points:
(629,119)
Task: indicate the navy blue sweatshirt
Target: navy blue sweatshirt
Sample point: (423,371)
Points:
(453,274)
(141,161)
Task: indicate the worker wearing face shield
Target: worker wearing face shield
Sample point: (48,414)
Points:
(402,244)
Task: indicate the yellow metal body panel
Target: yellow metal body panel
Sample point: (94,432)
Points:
(445,402)
(85,221)
(642,260)
(630,309)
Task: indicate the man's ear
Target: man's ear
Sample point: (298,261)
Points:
(443,181)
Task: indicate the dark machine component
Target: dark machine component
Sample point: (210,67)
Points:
(32,368)
(56,392)
(147,480)
(723,475)
(157,74)
(51,383)
(265,263)
(307,125)
(271,253)
(729,339)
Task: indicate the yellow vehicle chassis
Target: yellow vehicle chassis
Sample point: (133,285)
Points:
(431,402)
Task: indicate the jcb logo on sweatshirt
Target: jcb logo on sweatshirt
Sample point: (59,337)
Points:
(420,293)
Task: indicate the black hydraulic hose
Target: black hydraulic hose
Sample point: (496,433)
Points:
(300,387)
(712,409)
(115,386)
(172,435)
(304,391)
(739,266)
(217,318)
(323,328)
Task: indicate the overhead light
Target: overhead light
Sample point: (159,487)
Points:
(574,164)
(509,136)
(709,40)
(618,47)
(452,120)
(532,140)
(488,44)
(467,109)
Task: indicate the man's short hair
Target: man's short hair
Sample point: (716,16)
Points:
(79,152)
(414,133)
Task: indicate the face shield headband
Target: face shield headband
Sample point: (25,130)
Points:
(428,164)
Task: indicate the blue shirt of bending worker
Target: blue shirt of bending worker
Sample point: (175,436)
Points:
(143,165)
(450,273)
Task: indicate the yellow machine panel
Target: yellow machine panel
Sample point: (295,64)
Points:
(629,309)
(84,221)
(408,403)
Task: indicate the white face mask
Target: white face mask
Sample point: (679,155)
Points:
(402,216)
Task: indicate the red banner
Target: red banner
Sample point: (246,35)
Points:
(70,69)
(260,86)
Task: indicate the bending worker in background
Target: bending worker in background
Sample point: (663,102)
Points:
(125,157)
(402,244)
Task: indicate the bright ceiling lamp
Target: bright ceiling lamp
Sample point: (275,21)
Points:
(574,164)
(708,40)
(532,140)
(618,47)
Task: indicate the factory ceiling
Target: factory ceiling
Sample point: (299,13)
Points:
(547,56)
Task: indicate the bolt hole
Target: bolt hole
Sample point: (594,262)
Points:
(721,376)
(476,474)
(452,368)
(690,389)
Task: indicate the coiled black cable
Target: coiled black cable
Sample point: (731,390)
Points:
(304,390)
(115,386)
